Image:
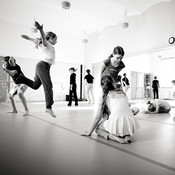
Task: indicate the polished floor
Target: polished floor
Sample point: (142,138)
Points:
(41,145)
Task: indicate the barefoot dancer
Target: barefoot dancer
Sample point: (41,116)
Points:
(9,66)
(121,124)
(42,71)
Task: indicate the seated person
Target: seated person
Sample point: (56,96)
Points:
(158,106)
(121,124)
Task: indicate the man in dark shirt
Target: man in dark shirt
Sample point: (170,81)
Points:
(155,86)
(89,90)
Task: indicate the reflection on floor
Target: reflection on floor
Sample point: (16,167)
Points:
(41,145)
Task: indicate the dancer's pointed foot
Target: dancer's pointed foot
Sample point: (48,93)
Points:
(26,113)
(127,139)
(14,111)
(51,112)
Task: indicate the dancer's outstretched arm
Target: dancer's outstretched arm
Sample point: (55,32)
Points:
(95,122)
(37,40)
(29,38)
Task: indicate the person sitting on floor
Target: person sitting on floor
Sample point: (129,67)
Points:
(120,123)
(158,106)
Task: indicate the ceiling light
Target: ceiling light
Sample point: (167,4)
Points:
(66,5)
(125,24)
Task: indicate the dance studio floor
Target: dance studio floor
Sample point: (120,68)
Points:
(41,145)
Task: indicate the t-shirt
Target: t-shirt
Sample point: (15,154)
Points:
(111,70)
(48,52)
(73,78)
(17,68)
(89,78)
(155,84)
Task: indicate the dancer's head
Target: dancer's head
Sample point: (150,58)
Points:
(10,61)
(107,83)
(173,82)
(118,50)
(151,107)
(72,70)
(155,77)
(51,37)
(88,71)
(117,54)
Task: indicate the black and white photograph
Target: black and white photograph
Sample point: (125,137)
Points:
(87,87)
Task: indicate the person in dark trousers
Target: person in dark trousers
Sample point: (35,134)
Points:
(73,87)
(155,86)
(89,90)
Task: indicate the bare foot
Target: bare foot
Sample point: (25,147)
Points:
(26,113)
(128,139)
(118,139)
(121,140)
(51,112)
(14,111)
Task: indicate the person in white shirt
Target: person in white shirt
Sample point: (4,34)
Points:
(42,71)
(89,90)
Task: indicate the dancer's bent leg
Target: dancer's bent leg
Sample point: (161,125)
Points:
(43,72)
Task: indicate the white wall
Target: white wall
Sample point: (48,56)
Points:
(145,42)
(146,32)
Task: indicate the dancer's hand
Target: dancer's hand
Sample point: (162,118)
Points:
(38,26)
(25,37)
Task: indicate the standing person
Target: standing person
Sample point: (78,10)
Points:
(126,84)
(155,86)
(113,64)
(89,89)
(73,87)
(42,70)
(10,65)
(121,124)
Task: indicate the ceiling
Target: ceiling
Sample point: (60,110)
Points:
(83,17)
